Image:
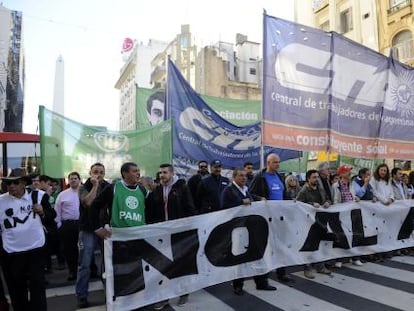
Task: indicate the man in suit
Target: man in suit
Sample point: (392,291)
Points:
(233,195)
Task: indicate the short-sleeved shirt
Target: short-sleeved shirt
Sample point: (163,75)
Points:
(276,186)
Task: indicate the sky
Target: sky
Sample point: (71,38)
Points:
(89,35)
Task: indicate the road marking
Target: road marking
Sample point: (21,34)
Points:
(288,298)
(367,290)
(70,290)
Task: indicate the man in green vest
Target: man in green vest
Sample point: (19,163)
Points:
(124,201)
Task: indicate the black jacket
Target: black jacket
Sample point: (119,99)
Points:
(85,223)
(180,203)
(209,193)
(232,197)
(259,187)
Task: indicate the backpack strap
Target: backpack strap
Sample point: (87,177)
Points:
(35,196)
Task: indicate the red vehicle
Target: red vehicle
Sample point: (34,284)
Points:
(19,150)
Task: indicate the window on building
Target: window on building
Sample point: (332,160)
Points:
(346,20)
(253,71)
(402,46)
(396,5)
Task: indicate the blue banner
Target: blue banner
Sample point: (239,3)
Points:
(323,91)
(199,133)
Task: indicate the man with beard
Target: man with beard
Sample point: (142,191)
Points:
(169,200)
(88,240)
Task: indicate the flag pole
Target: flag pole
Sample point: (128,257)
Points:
(262,152)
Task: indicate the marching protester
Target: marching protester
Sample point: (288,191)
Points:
(381,185)
(312,193)
(210,188)
(248,166)
(400,190)
(112,199)
(88,241)
(23,214)
(233,195)
(67,219)
(147,182)
(405,180)
(362,187)
(195,180)
(325,181)
(382,189)
(41,183)
(169,200)
(268,184)
(343,191)
(292,187)
(410,184)
(56,245)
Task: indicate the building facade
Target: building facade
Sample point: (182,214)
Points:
(356,20)
(228,71)
(12,74)
(396,26)
(183,52)
(221,70)
(136,71)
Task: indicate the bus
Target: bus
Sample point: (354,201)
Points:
(19,150)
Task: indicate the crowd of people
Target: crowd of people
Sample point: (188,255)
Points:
(38,220)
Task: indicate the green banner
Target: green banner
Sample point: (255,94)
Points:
(150,108)
(67,145)
(358,163)
(237,111)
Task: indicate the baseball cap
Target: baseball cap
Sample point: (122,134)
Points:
(343,169)
(215,163)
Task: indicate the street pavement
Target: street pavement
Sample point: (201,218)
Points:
(387,286)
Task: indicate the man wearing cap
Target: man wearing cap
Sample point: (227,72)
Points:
(21,222)
(210,189)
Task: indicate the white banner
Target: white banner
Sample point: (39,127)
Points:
(151,263)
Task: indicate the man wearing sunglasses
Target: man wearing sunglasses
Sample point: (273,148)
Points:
(195,180)
(22,217)
(210,188)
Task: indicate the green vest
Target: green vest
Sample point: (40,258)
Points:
(128,206)
(52,199)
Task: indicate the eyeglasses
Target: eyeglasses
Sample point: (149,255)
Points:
(14,182)
(202,166)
